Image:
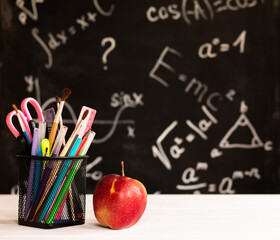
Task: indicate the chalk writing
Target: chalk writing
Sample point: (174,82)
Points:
(191,187)
(253,173)
(191,84)
(164,12)
(56,40)
(237,175)
(95,175)
(200,128)
(33,14)
(158,151)
(160,63)
(202,166)
(196,10)
(203,124)
(130,132)
(200,90)
(215,153)
(123,101)
(189,177)
(30,86)
(188,142)
(35,34)
(126,99)
(225,186)
(212,187)
(206,49)
(112,45)
(175,150)
(113,127)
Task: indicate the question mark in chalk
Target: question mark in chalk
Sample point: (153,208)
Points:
(108,50)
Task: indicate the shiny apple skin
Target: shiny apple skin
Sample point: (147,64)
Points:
(119,201)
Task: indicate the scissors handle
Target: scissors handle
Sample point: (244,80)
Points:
(9,122)
(36,106)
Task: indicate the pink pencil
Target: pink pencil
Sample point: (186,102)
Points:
(47,215)
(58,215)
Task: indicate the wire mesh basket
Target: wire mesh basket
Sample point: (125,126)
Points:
(52,191)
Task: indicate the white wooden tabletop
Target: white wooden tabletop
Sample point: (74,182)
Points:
(167,217)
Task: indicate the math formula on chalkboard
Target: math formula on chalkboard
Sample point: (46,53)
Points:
(186,91)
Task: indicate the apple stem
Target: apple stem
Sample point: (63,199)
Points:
(122,168)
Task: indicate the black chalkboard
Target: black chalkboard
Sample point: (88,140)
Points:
(186,92)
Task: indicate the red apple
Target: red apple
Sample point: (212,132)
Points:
(119,201)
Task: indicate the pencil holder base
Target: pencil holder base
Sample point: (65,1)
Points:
(51,226)
(59,198)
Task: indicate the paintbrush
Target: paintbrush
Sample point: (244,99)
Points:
(57,104)
(60,118)
(23,129)
(65,94)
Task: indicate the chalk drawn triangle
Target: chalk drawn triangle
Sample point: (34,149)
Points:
(241,122)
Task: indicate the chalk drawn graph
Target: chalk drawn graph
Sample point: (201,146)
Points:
(33,84)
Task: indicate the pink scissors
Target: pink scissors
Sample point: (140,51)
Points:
(26,117)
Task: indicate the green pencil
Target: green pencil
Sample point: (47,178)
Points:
(69,179)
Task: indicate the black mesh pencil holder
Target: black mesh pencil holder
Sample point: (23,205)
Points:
(52,191)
